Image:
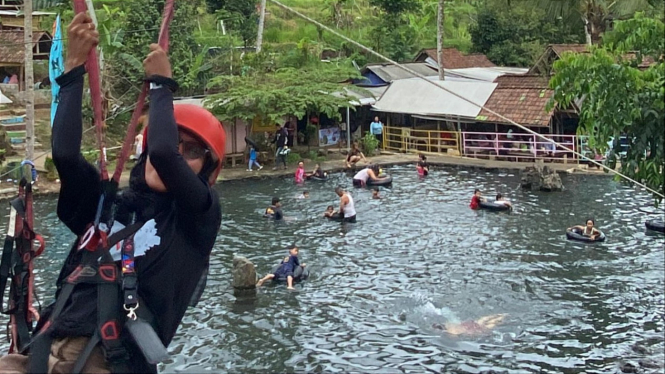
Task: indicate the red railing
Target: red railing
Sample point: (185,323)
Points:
(519,147)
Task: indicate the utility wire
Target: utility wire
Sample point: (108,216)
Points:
(387,59)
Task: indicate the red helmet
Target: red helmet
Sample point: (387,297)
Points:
(203,125)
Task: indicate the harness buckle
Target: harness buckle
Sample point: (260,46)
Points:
(131,310)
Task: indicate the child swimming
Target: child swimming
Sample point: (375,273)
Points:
(375,194)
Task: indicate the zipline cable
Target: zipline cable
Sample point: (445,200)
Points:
(387,59)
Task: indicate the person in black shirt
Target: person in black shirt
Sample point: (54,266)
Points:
(274,210)
(281,141)
(170,189)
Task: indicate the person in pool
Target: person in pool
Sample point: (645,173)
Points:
(346,205)
(480,326)
(285,269)
(375,194)
(501,200)
(370,172)
(274,210)
(588,230)
(305,195)
(317,173)
(476,199)
(421,166)
(300,172)
(330,211)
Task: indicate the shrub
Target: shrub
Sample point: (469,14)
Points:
(51,172)
(293,158)
(369,143)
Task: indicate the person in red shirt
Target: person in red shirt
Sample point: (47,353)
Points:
(476,199)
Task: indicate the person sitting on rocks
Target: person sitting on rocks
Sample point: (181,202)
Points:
(274,210)
(480,326)
(354,156)
(285,269)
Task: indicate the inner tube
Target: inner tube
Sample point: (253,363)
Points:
(299,274)
(315,178)
(383,182)
(489,205)
(336,217)
(252,143)
(576,234)
(655,224)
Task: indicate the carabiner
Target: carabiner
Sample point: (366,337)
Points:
(131,311)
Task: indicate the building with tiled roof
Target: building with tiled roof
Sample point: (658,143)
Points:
(12,52)
(522,98)
(454,59)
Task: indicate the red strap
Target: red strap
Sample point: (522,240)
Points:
(92,66)
(131,130)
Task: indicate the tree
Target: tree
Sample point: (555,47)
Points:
(621,98)
(240,16)
(517,36)
(287,91)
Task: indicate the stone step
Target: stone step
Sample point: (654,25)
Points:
(21,147)
(17,134)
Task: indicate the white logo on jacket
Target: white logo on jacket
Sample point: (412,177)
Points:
(144,239)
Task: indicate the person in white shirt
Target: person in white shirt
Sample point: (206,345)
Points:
(501,200)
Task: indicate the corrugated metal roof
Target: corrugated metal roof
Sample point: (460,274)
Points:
(18,13)
(488,74)
(416,96)
(390,73)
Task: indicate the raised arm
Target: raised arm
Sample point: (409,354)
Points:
(80,184)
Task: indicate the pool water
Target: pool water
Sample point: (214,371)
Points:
(419,257)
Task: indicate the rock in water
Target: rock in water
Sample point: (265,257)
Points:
(540,178)
(244,274)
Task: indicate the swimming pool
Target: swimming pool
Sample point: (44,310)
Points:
(418,257)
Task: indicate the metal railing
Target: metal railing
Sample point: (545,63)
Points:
(519,147)
(404,139)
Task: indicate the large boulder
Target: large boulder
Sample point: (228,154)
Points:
(540,178)
(244,274)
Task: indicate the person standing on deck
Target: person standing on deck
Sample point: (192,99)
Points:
(376,129)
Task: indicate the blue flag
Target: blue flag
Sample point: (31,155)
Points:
(56,66)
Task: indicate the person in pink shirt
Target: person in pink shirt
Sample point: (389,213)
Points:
(300,172)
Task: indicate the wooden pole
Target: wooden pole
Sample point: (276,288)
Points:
(262,21)
(29,88)
(439,39)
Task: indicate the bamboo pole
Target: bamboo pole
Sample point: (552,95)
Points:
(29,88)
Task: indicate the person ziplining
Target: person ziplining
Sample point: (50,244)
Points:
(117,309)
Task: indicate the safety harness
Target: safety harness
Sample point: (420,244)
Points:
(16,265)
(117,289)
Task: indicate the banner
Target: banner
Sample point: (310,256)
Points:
(56,66)
(329,136)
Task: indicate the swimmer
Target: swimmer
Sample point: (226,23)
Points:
(286,268)
(422,167)
(274,210)
(305,195)
(318,173)
(476,199)
(370,172)
(480,326)
(501,200)
(375,194)
(588,230)
(330,211)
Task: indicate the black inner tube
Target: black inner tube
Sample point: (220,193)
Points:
(299,274)
(655,225)
(489,205)
(383,182)
(576,234)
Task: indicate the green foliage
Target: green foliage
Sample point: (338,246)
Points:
(516,36)
(621,99)
(310,134)
(396,7)
(239,16)
(272,95)
(51,172)
(293,158)
(369,144)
